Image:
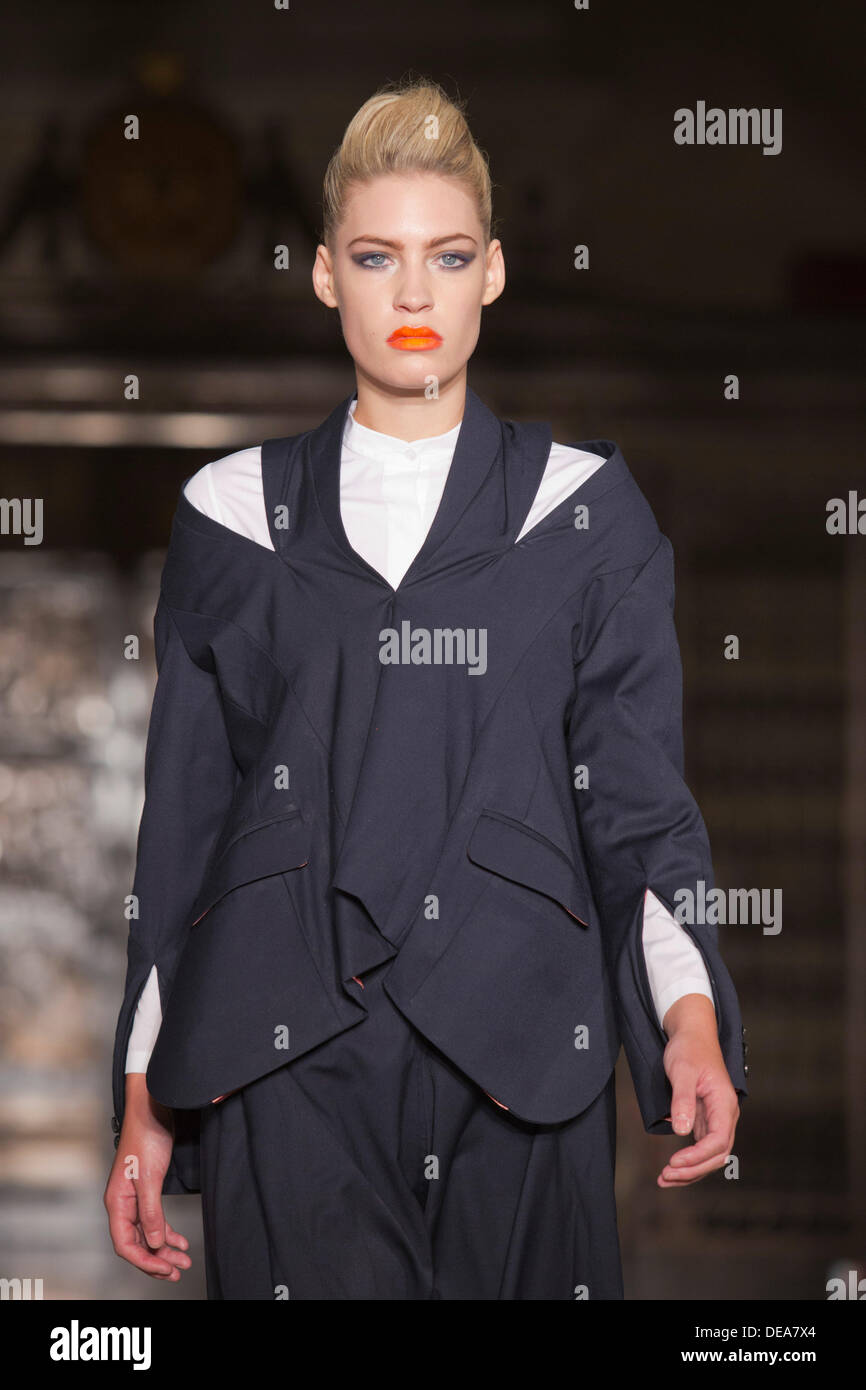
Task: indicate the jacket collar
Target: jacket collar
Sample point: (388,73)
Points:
(478,443)
(480,438)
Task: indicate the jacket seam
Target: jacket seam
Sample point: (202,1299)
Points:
(229,699)
(229,622)
(223,693)
(230,532)
(619,600)
(552,618)
(561,505)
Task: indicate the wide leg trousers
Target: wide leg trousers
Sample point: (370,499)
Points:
(373,1168)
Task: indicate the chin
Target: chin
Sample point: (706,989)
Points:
(412,375)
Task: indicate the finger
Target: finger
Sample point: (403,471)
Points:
(714,1124)
(178,1259)
(175,1238)
(716,1112)
(672,1177)
(150,1217)
(716,1142)
(129,1247)
(684,1100)
(126,1237)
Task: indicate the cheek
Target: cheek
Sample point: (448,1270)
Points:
(364,317)
(463,311)
(353,328)
(466,330)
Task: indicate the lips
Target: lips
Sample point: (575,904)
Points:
(414,338)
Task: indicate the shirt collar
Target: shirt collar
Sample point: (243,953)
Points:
(373,444)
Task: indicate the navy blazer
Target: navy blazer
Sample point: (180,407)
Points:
(335,777)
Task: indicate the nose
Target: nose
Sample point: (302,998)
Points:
(414,293)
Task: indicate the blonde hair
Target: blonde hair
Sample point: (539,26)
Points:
(389,134)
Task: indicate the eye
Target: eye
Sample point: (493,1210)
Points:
(458,257)
(368,256)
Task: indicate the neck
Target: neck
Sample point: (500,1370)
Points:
(409,414)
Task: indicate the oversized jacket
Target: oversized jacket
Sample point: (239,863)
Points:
(476,776)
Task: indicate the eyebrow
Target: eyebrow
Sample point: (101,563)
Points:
(399,246)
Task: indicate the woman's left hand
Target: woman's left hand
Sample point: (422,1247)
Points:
(704,1099)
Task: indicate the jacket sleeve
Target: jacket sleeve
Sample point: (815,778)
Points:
(640,827)
(190,776)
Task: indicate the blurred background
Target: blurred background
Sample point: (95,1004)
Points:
(156,259)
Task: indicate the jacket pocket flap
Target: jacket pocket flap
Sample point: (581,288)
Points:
(517,852)
(271,847)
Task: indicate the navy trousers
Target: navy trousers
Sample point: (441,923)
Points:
(372,1168)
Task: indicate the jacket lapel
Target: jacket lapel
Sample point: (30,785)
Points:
(479,444)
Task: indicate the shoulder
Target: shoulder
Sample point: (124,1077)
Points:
(229,490)
(619,526)
(567,469)
(622,546)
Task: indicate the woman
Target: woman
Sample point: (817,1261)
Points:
(415,828)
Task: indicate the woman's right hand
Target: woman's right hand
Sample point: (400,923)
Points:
(133,1193)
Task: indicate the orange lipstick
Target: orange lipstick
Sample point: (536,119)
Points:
(414,339)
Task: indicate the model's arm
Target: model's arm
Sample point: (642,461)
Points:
(229,490)
(190,779)
(644,834)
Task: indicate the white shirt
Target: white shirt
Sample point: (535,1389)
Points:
(390,490)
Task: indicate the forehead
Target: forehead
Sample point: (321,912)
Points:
(410,205)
